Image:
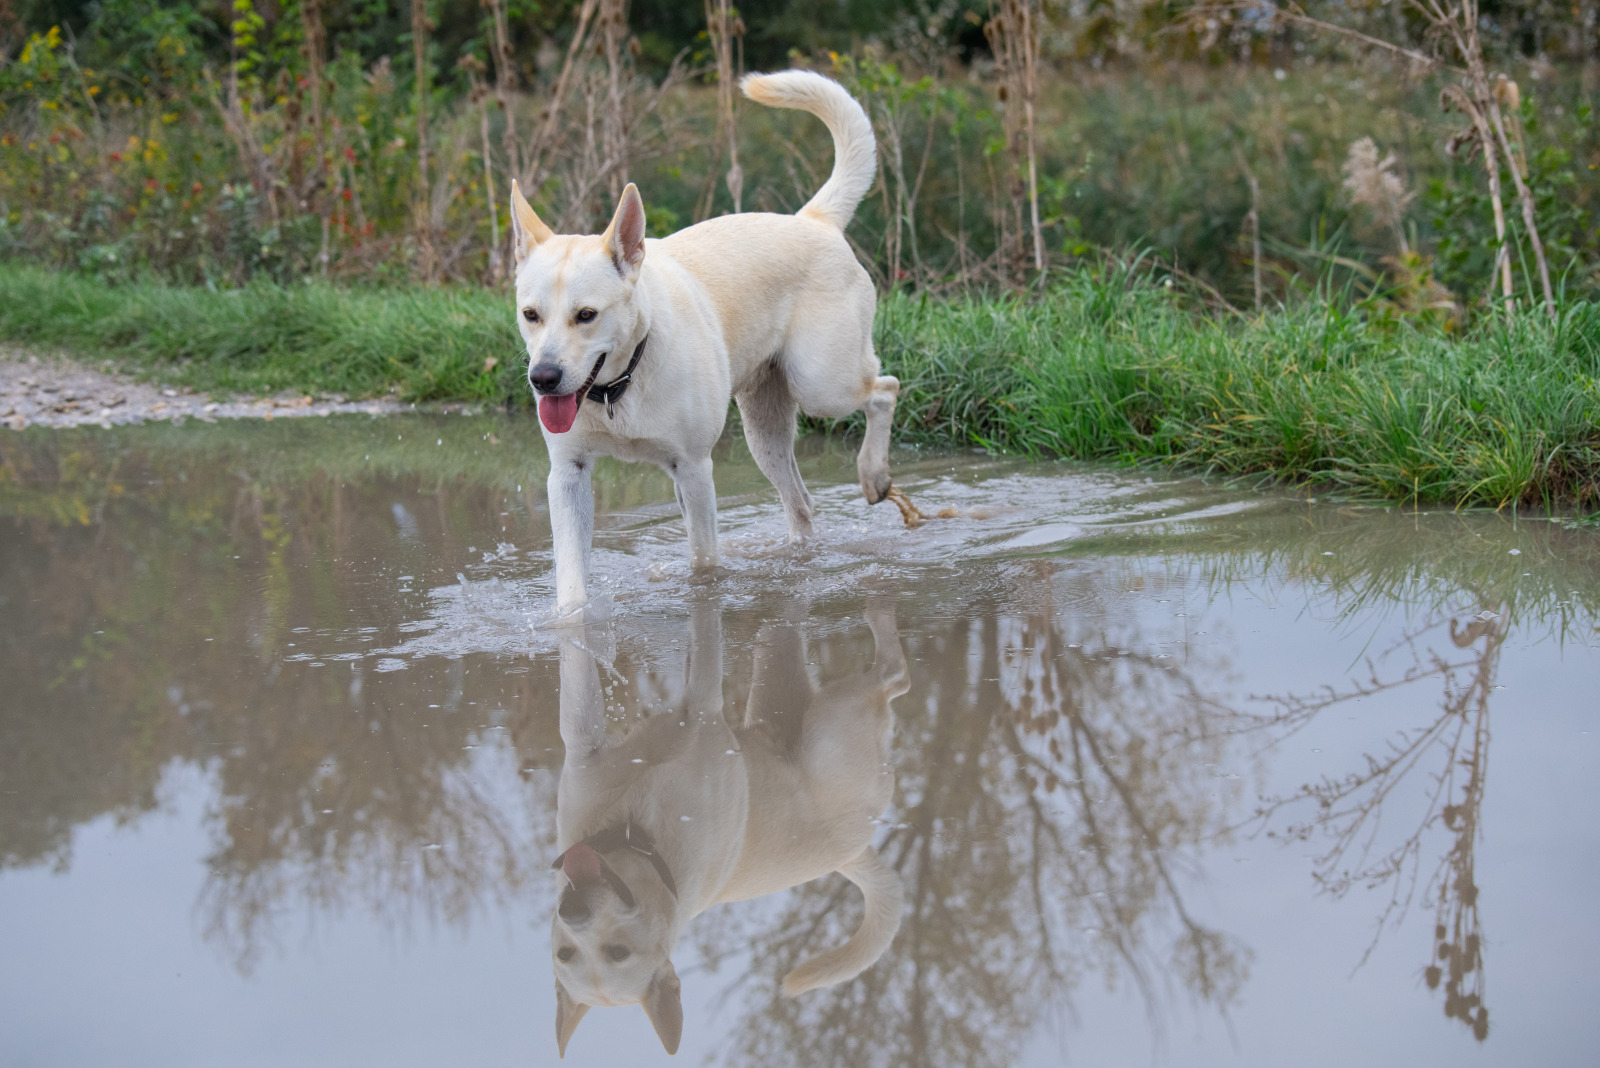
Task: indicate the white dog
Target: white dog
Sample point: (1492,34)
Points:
(773,310)
(686,810)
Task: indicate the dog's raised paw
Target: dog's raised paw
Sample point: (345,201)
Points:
(875,487)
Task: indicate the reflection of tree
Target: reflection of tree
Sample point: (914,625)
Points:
(157,629)
(1348,810)
(1051,782)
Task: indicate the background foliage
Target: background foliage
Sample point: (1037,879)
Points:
(209,143)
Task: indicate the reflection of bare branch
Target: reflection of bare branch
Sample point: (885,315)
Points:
(1348,810)
(1048,789)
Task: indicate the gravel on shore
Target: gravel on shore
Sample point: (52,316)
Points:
(36,391)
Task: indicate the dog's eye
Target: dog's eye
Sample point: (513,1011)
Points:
(618,953)
(530,315)
(565,953)
(586,315)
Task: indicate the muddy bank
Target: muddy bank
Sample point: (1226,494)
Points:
(38,391)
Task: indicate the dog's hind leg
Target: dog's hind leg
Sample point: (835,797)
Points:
(872,462)
(697,498)
(768,410)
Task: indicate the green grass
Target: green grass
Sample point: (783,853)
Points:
(1106,365)
(425,344)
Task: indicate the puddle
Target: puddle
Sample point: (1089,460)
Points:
(1131,769)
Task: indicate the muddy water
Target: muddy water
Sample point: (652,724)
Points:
(1154,771)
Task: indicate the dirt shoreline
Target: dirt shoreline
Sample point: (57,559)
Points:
(56,392)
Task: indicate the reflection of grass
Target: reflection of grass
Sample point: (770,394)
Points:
(64,476)
(1546,574)
(1104,366)
(1420,560)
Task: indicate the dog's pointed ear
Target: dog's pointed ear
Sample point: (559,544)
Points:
(528,231)
(568,1013)
(624,238)
(663,1003)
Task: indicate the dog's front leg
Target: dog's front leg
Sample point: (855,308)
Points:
(697,497)
(571,528)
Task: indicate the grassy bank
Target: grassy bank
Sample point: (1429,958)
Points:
(1106,365)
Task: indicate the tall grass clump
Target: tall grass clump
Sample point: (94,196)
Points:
(1107,365)
(419,343)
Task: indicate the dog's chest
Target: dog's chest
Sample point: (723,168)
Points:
(607,440)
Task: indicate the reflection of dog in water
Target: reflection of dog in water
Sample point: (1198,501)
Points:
(688,810)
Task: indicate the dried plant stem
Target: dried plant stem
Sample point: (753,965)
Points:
(420,26)
(535,171)
(1460,23)
(243,136)
(614,125)
(1013,32)
(1455,96)
(1030,53)
(1253,220)
(1294,14)
(315,34)
(480,96)
(505,84)
(1255,239)
(724,29)
(1525,200)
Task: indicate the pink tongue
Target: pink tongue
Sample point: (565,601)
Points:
(581,864)
(558,413)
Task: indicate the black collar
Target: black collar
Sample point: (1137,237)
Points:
(627,835)
(613,390)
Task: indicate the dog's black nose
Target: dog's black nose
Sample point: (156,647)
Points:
(546,377)
(572,908)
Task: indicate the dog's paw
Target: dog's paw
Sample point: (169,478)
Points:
(875,487)
(589,610)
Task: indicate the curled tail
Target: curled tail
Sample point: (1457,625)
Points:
(885,896)
(855,151)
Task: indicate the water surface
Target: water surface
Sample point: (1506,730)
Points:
(1176,773)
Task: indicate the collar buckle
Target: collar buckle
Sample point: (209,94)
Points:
(610,393)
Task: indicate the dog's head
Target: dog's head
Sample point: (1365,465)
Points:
(611,940)
(575,302)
